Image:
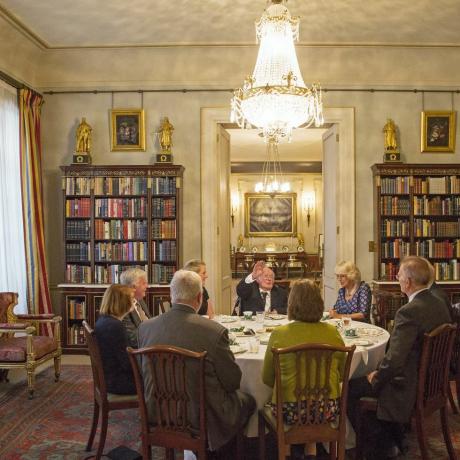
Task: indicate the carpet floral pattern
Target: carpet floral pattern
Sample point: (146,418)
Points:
(55,424)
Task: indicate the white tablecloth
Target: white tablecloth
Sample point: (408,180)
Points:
(365,360)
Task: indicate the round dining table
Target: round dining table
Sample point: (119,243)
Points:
(370,344)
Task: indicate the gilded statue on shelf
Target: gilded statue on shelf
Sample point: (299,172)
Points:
(389,131)
(166,135)
(240,240)
(83,137)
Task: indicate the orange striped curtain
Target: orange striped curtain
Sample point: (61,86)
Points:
(32,202)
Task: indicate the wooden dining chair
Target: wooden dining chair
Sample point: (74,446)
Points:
(313,427)
(432,390)
(454,375)
(104,402)
(170,398)
(387,303)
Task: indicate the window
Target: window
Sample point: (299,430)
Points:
(12,254)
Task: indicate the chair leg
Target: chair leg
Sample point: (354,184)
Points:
(261,437)
(457,386)
(239,445)
(146,449)
(31,381)
(57,368)
(92,433)
(104,423)
(421,436)
(446,434)
(451,399)
(333,450)
(169,454)
(359,437)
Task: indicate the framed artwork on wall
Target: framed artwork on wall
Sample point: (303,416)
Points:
(128,129)
(270,215)
(438,131)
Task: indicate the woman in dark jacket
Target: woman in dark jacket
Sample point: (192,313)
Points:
(112,339)
(198,266)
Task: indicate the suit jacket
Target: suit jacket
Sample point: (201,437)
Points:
(396,380)
(132,321)
(112,340)
(251,299)
(182,327)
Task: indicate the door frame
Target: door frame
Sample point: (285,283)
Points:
(346,205)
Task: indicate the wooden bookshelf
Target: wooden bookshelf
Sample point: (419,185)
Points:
(116,217)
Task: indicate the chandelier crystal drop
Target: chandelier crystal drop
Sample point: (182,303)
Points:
(275,98)
(272,175)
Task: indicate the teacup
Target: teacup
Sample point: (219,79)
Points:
(247,315)
(351,332)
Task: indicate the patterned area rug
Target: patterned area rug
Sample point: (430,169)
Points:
(55,424)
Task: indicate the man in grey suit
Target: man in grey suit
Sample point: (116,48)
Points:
(137,279)
(394,383)
(227,407)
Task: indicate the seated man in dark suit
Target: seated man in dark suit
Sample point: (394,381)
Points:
(394,383)
(135,278)
(228,408)
(258,291)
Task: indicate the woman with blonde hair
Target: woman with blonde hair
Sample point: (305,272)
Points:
(112,339)
(198,266)
(305,309)
(354,296)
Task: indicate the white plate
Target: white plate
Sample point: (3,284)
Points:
(237,349)
(264,339)
(275,317)
(369,331)
(226,319)
(362,343)
(272,324)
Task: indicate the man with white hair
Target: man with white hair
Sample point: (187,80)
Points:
(137,279)
(227,407)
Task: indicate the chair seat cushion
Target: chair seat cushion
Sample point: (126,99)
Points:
(112,397)
(14,349)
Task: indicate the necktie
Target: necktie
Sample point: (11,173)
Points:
(264,298)
(140,312)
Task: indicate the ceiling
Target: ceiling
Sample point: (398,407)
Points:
(89,23)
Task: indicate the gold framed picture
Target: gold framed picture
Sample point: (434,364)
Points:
(128,129)
(438,131)
(270,215)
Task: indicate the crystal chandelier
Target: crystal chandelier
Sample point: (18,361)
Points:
(275,97)
(272,175)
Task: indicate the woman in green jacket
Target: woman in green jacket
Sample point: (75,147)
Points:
(305,308)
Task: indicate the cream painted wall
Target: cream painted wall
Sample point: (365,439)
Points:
(244,183)
(222,67)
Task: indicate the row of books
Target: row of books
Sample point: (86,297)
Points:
(447,271)
(76,335)
(433,185)
(164,207)
(76,308)
(437,206)
(78,229)
(127,251)
(78,207)
(120,229)
(426,227)
(163,228)
(78,274)
(395,249)
(111,273)
(164,251)
(394,228)
(77,186)
(438,249)
(394,185)
(164,186)
(80,252)
(162,274)
(392,205)
(120,207)
(120,186)
(388,271)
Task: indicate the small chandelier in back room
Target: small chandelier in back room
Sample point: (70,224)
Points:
(275,98)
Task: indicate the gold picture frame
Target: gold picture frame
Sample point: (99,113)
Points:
(270,215)
(438,129)
(127,129)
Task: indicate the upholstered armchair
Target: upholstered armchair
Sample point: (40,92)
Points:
(21,347)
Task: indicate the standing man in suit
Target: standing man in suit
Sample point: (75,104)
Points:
(137,279)
(258,291)
(394,383)
(227,407)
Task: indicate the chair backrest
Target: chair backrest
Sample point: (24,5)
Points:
(387,303)
(314,363)
(100,388)
(455,360)
(7,302)
(170,396)
(433,374)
